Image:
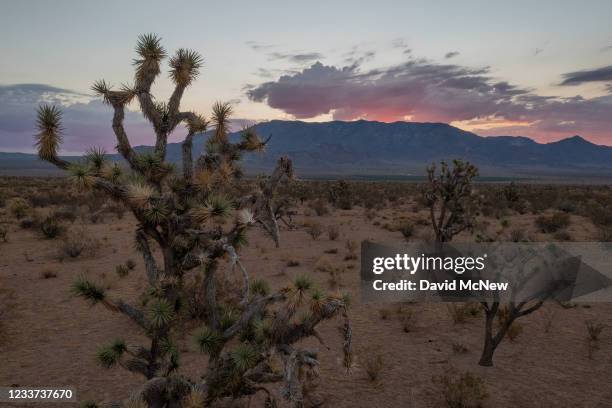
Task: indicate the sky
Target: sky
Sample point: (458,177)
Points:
(538,69)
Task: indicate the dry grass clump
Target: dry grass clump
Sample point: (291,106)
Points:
(315,230)
(594,330)
(373,364)
(351,247)
(459,348)
(333,232)
(464,390)
(122,271)
(460,312)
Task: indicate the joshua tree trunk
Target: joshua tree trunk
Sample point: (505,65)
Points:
(506,319)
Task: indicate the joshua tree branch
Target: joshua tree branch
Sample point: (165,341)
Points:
(188,157)
(123,143)
(150,264)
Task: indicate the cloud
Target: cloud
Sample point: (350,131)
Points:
(603,74)
(298,58)
(257,46)
(87,121)
(426,91)
(401,43)
(451,54)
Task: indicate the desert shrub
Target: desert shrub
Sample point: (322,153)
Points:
(27,223)
(66,213)
(505,223)
(562,236)
(319,207)
(373,363)
(407,230)
(293,263)
(552,223)
(333,232)
(130,264)
(48,274)
(465,390)
(314,230)
(77,243)
(3,234)
(19,207)
(567,206)
(370,214)
(604,234)
(385,313)
(51,227)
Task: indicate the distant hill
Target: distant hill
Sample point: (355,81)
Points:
(363,148)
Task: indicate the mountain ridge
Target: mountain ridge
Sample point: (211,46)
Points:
(371,147)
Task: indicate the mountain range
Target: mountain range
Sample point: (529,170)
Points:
(367,148)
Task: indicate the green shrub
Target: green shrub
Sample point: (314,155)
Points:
(407,230)
(19,208)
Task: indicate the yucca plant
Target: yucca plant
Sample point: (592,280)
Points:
(448,195)
(194,218)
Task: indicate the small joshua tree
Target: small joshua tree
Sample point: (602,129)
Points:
(193,220)
(448,195)
(527,266)
(340,195)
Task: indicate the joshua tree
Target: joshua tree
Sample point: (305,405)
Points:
(448,195)
(525,268)
(340,195)
(195,219)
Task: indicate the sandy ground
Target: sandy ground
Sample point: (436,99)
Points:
(49,338)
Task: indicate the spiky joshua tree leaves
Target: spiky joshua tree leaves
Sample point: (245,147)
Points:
(449,197)
(188,222)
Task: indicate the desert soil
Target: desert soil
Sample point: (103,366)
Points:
(49,338)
